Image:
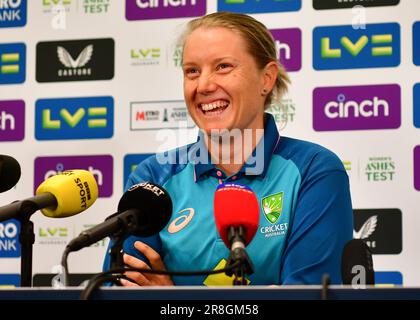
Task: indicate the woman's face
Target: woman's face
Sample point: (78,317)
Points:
(222,83)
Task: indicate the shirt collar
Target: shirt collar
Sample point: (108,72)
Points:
(256,165)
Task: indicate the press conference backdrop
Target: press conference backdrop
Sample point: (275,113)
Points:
(97,85)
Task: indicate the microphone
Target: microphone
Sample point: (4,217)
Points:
(9,172)
(357,264)
(237,214)
(63,195)
(236,206)
(144,210)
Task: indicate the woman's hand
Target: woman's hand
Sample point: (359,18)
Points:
(145,279)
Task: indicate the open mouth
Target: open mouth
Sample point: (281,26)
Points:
(214,108)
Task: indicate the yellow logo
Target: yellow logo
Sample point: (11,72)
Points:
(220,279)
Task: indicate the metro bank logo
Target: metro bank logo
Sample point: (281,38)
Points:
(357,107)
(13,13)
(257,6)
(74,118)
(346,47)
(100,166)
(9,239)
(163,9)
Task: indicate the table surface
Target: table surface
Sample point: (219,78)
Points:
(216,293)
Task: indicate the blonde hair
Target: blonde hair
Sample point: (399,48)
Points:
(259,40)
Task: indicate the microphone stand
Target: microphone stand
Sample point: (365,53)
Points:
(22,211)
(238,255)
(115,253)
(128,223)
(325,285)
(26,239)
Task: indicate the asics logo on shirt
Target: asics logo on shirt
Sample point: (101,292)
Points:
(182,221)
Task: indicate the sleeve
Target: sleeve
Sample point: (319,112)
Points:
(142,173)
(321,226)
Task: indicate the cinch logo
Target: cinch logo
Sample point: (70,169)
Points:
(12,63)
(357,107)
(388,278)
(12,13)
(12,120)
(101,167)
(131,161)
(380,169)
(10,280)
(339,4)
(289,47)
(159,115)
(145,57)
(74,118)
(416,105)
(257,6)
(163,9)
(75,60)
(283,112)
(416,43)
(343,47)
(380,228)
(9,239)
(417,168)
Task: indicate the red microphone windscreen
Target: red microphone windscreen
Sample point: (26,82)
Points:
(236,205)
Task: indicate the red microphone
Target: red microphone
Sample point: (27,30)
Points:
(237,214)
(236,205)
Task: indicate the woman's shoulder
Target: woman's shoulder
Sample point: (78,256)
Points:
(159,167)
(307,154)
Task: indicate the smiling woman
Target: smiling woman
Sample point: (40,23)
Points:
(231,75)
(230,71)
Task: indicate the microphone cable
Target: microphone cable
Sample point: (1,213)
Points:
(114,275)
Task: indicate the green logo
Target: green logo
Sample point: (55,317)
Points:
(273,206)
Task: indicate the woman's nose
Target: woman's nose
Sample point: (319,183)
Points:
(206,84)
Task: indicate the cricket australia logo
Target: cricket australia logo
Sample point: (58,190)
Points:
(75,66)
(272,206)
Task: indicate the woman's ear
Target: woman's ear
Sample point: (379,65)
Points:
(270,73)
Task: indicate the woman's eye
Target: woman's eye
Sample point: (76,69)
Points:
(223,66)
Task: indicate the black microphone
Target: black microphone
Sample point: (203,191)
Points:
(144,210)
(357,264)
(9,172)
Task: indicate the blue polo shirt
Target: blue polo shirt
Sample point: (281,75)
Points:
(305,211)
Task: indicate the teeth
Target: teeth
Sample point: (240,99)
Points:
(213,105)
